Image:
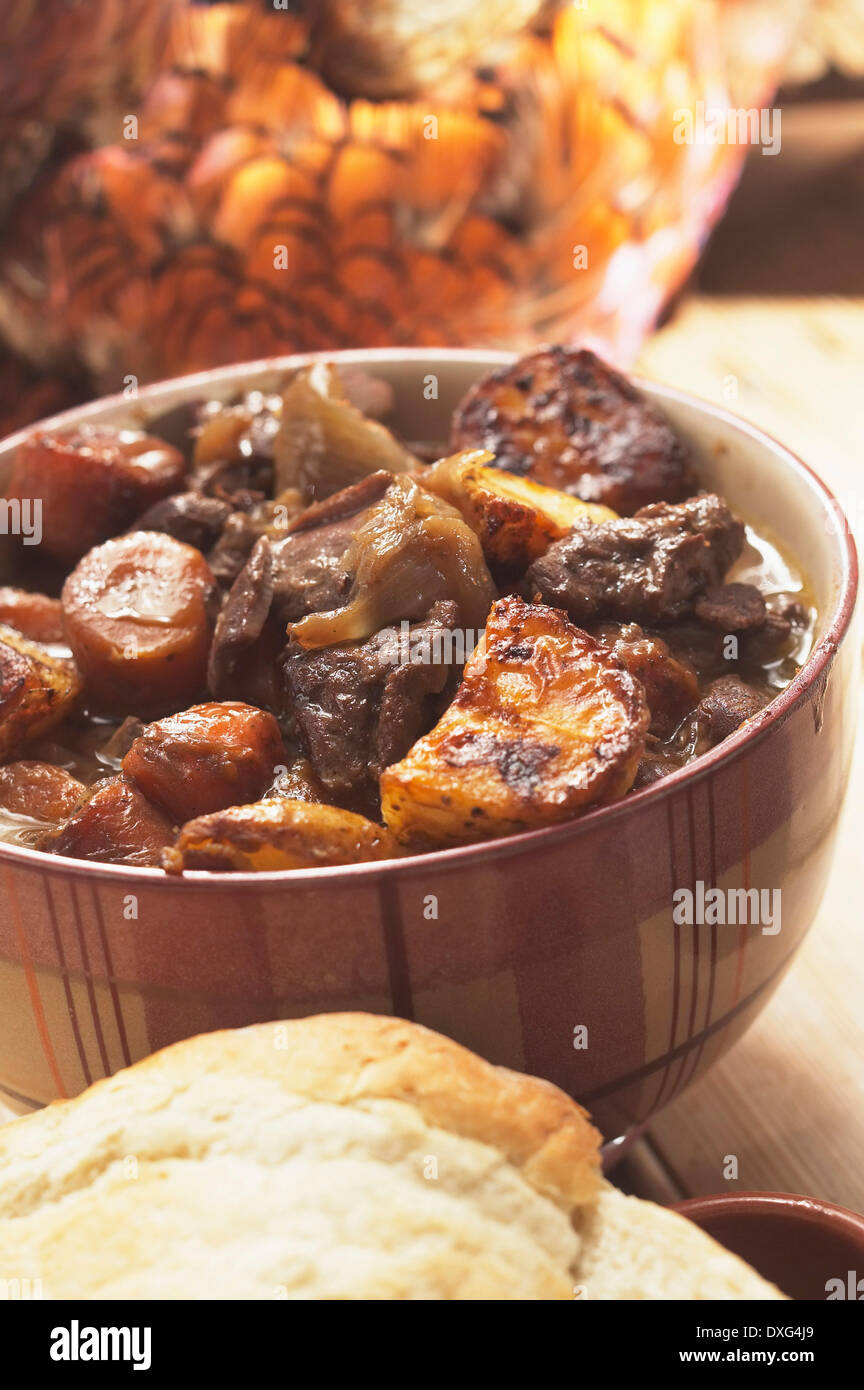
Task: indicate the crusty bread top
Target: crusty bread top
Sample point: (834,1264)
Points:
(347,1058)
(343,1157)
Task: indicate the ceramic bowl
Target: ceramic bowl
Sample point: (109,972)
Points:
(810,1249)
(512,947)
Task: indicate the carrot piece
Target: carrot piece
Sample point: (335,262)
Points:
(206,758)
(139,613)
(118,825)
(92,481)
(34,615)
(39,790)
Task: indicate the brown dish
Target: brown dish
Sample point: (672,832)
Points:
(811,1249)
(279,639)
(522,947)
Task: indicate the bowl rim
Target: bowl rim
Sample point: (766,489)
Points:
(483,852)
(791,1207)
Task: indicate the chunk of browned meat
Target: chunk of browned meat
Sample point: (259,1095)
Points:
(302,572)
(241,620)
(657,762)
(726,704)
(731,608)
(671,687)
(360,707)
(566,419)
(118,825)
(647,568)
(190,517)
(244,527)
(785,622)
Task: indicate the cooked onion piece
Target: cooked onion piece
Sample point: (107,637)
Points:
(325,443)
(545,724)
(279,833)
(411,550)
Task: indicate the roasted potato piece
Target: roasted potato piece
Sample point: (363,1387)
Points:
(34,615)
(671,687)
(206,758)
(565,419)
(279,833)
(117,825)
(92,481)
(139,614)
(36,690)
(515,519)
(544,724)
(39,790)
(324,442)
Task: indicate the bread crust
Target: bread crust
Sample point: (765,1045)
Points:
(352,1057)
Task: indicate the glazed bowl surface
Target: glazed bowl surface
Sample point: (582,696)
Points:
(810,1249)
(554,952)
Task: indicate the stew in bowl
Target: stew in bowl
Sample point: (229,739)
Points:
(287,636)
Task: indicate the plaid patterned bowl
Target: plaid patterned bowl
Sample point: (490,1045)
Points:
(553,952)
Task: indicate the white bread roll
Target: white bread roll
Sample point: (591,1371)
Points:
(341,1156)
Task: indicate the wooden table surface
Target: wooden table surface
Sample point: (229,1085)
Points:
(788,1100)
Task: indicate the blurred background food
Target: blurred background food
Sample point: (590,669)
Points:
(184,185)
